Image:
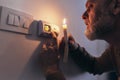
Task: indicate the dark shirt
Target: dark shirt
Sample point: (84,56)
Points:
(108,61)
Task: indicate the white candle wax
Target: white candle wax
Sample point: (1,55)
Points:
(65,58)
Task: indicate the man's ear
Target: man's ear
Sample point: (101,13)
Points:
(116,9)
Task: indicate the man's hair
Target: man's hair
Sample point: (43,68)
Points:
(107,2)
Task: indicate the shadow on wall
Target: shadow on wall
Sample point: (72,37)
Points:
(32,70)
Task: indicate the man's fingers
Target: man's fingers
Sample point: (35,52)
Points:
(70,38)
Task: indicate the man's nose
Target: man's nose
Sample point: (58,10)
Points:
(85,15)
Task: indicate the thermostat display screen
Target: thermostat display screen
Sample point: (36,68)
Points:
(47,28)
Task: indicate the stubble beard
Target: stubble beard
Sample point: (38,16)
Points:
(100,27)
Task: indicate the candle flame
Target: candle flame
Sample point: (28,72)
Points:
(64,24)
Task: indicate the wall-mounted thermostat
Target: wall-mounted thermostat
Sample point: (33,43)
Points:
(45,28)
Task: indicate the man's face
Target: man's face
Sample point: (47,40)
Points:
(98,19)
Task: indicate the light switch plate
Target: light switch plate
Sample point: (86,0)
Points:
(10,19)
(14,21)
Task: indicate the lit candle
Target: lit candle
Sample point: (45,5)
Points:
(65,58)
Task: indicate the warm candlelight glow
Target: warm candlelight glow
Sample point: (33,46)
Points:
(64,24)
(64,21)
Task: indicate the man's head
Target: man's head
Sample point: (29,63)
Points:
(101,17)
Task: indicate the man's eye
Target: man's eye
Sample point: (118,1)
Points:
(89,7)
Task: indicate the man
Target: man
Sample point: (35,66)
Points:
(102,19)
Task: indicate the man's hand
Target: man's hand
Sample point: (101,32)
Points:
(71,42)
